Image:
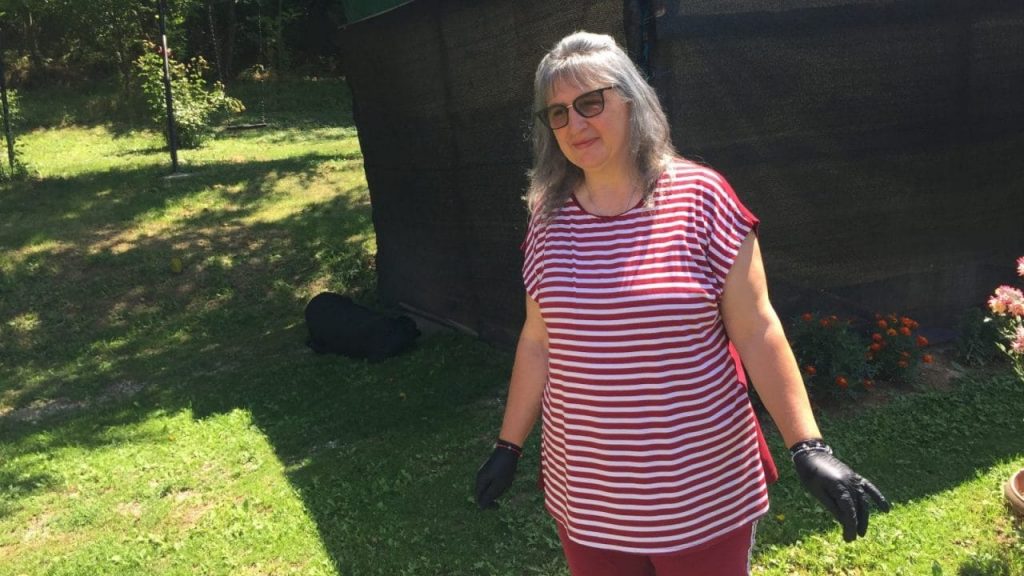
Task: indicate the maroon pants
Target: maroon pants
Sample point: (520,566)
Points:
(729,556)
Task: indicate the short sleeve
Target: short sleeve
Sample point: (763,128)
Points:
(533,267)
(727,223)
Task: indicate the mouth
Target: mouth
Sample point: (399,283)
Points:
(584,143)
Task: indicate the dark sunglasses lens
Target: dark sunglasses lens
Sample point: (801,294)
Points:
(589,104)
(557,116)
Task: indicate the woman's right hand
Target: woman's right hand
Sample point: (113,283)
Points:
(497,474)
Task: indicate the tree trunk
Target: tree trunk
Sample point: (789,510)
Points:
(213,41)
(279,51)
(32,35)
(229,43)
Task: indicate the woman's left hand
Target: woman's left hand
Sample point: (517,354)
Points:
(841,490)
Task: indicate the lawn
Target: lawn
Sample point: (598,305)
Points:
(162,422)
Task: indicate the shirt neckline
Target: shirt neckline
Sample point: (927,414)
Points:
(639,203)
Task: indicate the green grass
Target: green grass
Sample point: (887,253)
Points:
(941,458)
(162,423)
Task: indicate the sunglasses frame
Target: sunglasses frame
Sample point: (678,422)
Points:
(542,115)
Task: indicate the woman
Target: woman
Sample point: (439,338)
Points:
(644,287)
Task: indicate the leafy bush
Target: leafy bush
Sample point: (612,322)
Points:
(896,347)
(977,339)
(196,103)
(839,362)
(831,357)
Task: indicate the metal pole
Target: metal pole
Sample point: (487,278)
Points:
(172,134)
(7,113)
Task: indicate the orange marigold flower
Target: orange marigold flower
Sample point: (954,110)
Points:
(869,384)
(811,370)
(824,322)
(892,318)
(903,364)
(891,332)
(807,317)
(875,347)
(876,337)
(883,324)
(922,341)
(842,382)
(905,331)
(904,354)
(927,358)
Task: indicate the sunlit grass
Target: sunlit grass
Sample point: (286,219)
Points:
(74,151)
(169,494)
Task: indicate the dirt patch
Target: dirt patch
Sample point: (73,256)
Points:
(129,509)
(941,372)
(45,409)
(189,508)
(38,527)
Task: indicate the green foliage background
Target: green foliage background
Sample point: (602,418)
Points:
(73,41)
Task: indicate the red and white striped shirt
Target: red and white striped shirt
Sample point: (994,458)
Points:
(649,444)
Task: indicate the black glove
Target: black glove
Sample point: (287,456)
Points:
(841,490)
(496,475)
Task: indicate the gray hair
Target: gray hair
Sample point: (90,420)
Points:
(586,60)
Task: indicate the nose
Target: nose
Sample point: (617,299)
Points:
(576,120)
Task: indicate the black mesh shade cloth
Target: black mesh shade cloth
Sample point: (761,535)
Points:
(880,143)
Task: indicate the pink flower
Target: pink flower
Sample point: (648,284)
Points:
(1020,266)
(997,306)
(1007,299)
(1016,308)
(1018,341)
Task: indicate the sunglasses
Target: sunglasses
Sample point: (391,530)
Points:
(587,105)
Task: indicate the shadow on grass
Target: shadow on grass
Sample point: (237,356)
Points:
(17,486)
(89,209)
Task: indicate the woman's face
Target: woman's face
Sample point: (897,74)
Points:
(599,143)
